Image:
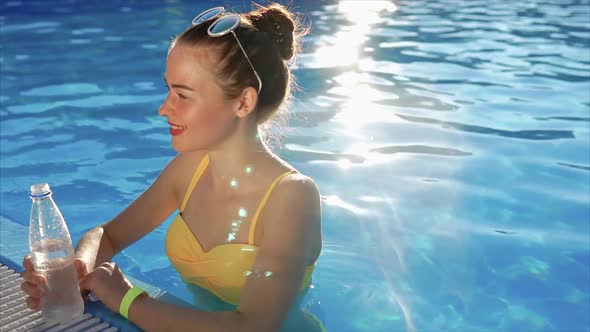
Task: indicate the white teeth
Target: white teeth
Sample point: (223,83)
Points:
(177,127)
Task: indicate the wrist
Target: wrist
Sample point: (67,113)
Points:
(132,295)
(137,304)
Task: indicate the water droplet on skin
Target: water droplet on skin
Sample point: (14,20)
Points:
(257,274)
(235,228)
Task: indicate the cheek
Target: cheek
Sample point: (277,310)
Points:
(206,119)
(212,124)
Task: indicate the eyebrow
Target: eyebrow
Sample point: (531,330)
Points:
(180,86)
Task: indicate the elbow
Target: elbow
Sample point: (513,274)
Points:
(109,241)
(100,237)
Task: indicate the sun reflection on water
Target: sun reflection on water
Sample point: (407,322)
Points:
(343,48)
(360,92)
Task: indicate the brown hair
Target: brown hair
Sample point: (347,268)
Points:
(270,36)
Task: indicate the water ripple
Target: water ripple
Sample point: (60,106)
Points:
(521,134)
(72,89)
(585,168)
(421,149)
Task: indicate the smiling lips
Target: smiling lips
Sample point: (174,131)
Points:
(175,129)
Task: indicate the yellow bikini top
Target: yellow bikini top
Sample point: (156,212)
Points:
(223,269)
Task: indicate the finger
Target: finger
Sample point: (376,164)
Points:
(28,262)
(108,265)
(32,289)
(29,275)
(85,282)
(33,303)
(34,277)
(81,267)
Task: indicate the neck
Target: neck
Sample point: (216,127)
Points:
(232,163)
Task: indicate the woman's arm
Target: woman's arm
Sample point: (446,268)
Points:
(292,216)
(149,210)
(100,244)
(94,248)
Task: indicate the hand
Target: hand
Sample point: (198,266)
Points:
(108,283)
(35,284)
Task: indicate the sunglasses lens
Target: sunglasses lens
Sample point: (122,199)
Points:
(207,15)
(224,25)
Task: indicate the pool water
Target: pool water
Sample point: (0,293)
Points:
(450,142)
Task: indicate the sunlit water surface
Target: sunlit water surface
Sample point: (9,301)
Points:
(449,140)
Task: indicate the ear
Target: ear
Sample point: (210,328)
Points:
(247,102)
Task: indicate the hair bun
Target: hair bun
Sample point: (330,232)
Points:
(276,20)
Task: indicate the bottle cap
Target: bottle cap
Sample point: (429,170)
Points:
(40,190)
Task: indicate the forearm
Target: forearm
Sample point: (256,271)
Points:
(155,316)
(95,248)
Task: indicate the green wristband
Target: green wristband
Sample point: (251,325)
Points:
(129,297)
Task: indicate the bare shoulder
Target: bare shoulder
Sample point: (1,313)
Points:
(185,162)
(299,190)
(181,168)
(294,219)
(298,197)
(298,186)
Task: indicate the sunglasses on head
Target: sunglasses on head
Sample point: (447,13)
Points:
(224,24)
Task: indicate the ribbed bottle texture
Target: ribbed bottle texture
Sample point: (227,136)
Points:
(52,254)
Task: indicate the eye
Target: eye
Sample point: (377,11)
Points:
(182,96)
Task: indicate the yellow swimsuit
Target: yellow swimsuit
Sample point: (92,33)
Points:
(222,269)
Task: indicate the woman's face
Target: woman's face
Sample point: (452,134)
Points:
(198,113)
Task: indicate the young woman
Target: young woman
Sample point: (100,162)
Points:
(249,224)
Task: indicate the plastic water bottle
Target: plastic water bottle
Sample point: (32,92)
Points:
(52,254)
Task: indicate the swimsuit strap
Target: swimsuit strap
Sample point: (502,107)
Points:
(202,166)
(262,203)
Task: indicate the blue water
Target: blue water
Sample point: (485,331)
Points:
(450,142)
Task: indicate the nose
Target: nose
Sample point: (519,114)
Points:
(166,106)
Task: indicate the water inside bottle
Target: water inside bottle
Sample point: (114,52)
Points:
(62,300)
(45,254)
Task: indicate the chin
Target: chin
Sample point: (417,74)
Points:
(177,146)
